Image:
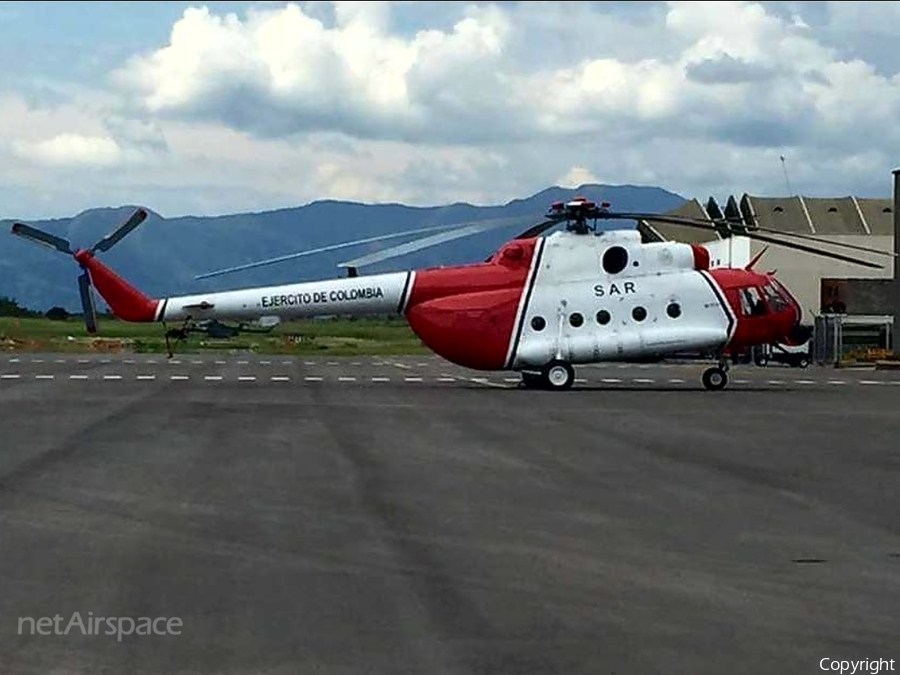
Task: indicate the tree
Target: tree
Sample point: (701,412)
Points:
(57,314)
(9,307)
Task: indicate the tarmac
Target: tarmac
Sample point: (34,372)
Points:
(403,515)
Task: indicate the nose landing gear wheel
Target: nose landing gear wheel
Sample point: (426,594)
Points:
(715,379)
(558,375)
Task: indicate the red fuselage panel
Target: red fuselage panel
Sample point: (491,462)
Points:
(467,314)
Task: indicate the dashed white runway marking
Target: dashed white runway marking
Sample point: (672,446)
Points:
(247,378)
(19,361)
(774,381)
(742,381)
(412,379)
(213,378)
(44,377)
(309,363)
(112,377)
(643,380)
(63,361)
(280,378)
(78,377)
(151,362)
(84,360)
(676,380)
(381,379)
(313,378)
(243,363)
(611,380)
(402,365)
(220,363)
(449,379)
(10,376)
(578,380)
(180,378)
(37,360)
(876,382)
(129,361)
(346,379)
(145,378)
(837,382)
(804,381)
(265,363)
(331,363)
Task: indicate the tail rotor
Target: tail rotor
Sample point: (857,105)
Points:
(85,287)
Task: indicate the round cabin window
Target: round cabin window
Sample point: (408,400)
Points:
(674,310)
(538,323)
(639,314)
(603,317)
(615,259)
(576,320)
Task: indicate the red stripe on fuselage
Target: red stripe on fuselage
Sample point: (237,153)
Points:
(467,313)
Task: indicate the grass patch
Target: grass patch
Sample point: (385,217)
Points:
(334,336)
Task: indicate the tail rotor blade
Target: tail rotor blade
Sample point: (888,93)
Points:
(87,303)
(121,232)
(42,238)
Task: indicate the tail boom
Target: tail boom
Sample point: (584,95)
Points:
(352,296)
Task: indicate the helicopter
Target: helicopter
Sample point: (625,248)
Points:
(540,305)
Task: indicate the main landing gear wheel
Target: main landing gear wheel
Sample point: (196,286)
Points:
(558,375)
(715,378)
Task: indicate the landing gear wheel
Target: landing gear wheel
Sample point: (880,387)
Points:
(715,379)
(803,363)
(558,375)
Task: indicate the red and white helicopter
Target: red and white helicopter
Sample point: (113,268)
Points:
(539,305)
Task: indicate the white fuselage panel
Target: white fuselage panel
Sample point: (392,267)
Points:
(580,313)
(365,295)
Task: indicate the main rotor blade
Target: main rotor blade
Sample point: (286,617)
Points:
(745,230)
(42,238)
(476,227)
(499,222)
(322,249)
(87,303)
(750,234)
(120,232)
(815,251)
(539,229)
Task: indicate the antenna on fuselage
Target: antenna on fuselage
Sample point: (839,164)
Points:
(787,180)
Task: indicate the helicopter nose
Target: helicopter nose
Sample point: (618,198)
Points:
(800,332)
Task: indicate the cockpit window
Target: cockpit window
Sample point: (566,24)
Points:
(775,298)
(751,302)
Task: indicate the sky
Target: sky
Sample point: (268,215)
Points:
(227,107)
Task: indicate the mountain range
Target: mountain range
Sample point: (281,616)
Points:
(163,255)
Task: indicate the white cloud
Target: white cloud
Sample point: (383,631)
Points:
(72,150)
(429,103)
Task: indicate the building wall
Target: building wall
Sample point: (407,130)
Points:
(802,272)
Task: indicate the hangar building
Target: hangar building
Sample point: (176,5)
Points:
(862,296)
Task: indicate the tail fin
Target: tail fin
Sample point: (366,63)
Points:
(126,302)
